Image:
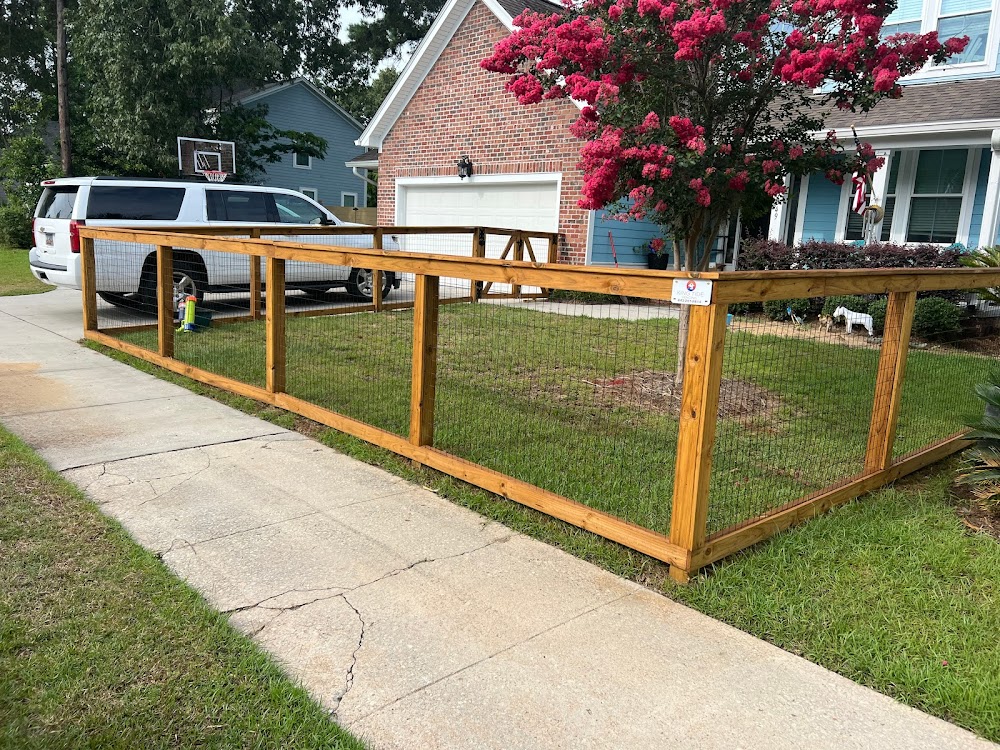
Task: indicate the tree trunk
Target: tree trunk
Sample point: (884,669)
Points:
(62,89)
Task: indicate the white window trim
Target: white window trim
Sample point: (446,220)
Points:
(800,214)
(295,158)
(929,18)
(306,192)
(344,194)
(904,195)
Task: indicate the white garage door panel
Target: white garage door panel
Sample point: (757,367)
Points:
(531,206)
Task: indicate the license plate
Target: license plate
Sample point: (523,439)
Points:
(50,240)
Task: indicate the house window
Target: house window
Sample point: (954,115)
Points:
(310,193)
(936,200)
(302,161)
(349,200)
(949,18)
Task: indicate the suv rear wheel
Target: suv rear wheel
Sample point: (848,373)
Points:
(189,279)
(360,284)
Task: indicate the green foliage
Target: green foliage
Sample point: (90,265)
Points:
(877,310)
(850,301)
(739,308)
(934,317)
(984,257)
(362,101)
(981,467)
(24,162)
(258,142)
(777,309)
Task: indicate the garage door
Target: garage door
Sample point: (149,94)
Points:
(507,205)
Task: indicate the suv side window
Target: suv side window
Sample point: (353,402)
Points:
(57,202)
(135,203)
(295,210)
(249,207)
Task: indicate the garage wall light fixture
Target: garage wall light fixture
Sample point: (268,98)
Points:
(464,167)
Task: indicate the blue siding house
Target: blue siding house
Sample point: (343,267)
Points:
(300,105)
(941,144)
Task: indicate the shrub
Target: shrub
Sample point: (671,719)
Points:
(934,317)
(850,301)
(981,467)
(15,226)
(777,309)
(877,310)
(739,308)
(769,255)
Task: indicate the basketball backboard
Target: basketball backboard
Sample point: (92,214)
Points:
(197,155)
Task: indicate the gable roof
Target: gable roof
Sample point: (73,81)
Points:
(273,88)
(428,52)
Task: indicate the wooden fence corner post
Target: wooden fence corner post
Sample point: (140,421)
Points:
(275,324)
(377,274)
(165,300)
(88,284)
(889,380)
(424,373)
(696,431)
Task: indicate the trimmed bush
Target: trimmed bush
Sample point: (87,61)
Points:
(850,301)
(777,309)
(877,310)
(934,317)
(768,255)
(15,226)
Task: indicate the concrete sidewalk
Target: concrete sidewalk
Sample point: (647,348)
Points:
(418,623)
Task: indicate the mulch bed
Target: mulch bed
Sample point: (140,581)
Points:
(652,390)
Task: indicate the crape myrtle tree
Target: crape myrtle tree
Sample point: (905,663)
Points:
(694,109)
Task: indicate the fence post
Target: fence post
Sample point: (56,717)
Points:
(478,251)
(696,430)
(165,300)
(424,373)
(254,279)
(377,274)
(553,248)
(515,289)
(275,324)
(88,283)
(889,381)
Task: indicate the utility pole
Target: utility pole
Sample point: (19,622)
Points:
(62,89)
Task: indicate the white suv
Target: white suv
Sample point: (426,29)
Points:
(126,273)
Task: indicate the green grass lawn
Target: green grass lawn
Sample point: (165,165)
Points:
(102,647)
(526,393)
(15,276)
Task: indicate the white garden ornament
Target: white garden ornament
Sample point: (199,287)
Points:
(852,319)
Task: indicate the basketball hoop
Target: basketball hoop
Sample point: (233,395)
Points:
(215,175)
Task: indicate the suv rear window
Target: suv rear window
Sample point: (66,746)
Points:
(247,206)
(135,203)
(57,202)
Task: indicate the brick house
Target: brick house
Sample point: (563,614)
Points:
(445,106)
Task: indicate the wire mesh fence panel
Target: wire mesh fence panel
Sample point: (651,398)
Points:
(954,343)
(125,279)
(576,398)
(795,404)
(458,244)
(354,363)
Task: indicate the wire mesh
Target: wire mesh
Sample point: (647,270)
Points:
(125,279)
(574,395)
(950,352)
(354,363)
(795,406)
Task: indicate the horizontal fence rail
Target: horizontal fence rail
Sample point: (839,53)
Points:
(495,371)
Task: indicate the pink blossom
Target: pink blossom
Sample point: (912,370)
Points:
(773,188)
(796,152)
(657,243)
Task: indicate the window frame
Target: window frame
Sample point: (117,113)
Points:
(931,16)
(344,194)
(295,161)
(311,193)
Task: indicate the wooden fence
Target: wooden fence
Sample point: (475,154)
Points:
(686,545)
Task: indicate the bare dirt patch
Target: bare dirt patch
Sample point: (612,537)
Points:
(651,390)
(810,331)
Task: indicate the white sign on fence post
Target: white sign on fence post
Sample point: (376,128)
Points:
(691,292)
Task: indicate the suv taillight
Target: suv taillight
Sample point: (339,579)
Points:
(74,236)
